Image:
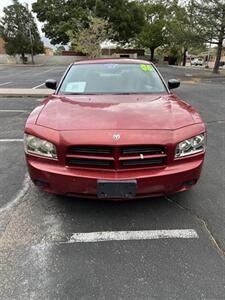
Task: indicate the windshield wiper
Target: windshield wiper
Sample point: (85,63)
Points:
(82,94)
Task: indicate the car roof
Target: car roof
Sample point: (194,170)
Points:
(111,60)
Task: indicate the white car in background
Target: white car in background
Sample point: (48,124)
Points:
(197,62)
(222,65)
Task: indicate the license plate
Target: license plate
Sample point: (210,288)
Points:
(116,189)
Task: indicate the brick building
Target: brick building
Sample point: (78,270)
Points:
(129,53)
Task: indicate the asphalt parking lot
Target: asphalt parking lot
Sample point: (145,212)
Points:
(12,76)
(40,257)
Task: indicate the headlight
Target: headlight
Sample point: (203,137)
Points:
(191,146)
(38,146)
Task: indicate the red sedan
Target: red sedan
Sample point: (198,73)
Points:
(113,130)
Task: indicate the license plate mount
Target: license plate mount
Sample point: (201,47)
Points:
(116,189)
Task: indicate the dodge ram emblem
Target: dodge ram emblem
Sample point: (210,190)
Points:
(116,136)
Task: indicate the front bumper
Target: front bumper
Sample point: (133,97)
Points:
(58,179)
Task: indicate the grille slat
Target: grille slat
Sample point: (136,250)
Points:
(101,150)
(142,162)
(83,156)
(116,157)
(89,162)
(145,156)
(142,149)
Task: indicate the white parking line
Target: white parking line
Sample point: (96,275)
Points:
(1,84)
(47,71)
(10,140)
(132,235)
(19,196)
(35,87)
(44,71)
(13,110)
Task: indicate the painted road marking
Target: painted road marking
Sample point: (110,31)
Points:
(44,71)
(47,71)
(10,140)
(13,110)
(37,86)
(133,235)
(20,195)
(1,84)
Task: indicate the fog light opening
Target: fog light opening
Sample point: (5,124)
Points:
(41,184)
(190,183)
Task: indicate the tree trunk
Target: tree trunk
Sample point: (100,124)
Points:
(23,58)
(219,50)
(152,53)
(184,57)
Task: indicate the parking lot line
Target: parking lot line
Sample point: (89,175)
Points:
(10,140)
(18,197)
(13,110)
(132,235)
(5,83)
(37,86)
(45,71)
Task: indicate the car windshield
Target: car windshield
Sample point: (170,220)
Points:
(110,78)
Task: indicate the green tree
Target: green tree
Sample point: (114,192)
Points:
(210,23)
(88,40)
(126,18)
(60,16)
(181,30)
(19,31)
(153,34)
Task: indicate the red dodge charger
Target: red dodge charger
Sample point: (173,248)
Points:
(113,130)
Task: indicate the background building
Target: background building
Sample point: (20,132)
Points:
(2,46)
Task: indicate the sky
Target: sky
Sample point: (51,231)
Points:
(46,41)
(4,3)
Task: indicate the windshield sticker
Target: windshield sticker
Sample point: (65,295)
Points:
(76,87)
(111,66)
(146,68)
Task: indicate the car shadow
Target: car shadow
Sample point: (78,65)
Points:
(85,215)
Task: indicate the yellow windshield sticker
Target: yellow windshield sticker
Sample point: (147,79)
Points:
(146,68)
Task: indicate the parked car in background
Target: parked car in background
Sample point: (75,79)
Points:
(114,130)
(197,62)
(222,65)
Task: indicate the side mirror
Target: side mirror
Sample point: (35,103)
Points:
(173,84)
(51,84)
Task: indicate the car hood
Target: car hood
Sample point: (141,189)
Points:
(102,112)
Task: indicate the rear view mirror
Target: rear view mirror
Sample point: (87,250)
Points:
(51,84)
(173,84)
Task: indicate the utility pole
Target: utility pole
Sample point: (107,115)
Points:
(95,8)
(208,55)
(30,37)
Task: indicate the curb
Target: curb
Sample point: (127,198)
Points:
(21,65)
(46,92)
(192,81)
(25,92)
(203,73)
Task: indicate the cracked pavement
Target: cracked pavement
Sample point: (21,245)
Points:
(37,262)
